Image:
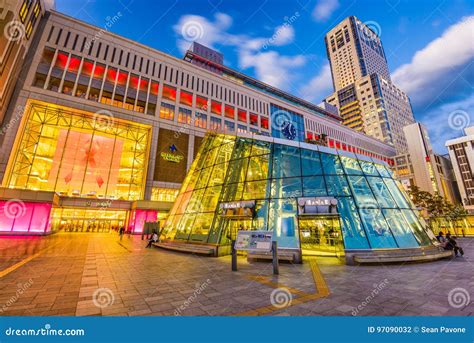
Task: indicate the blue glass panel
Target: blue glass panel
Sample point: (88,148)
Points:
(399,197)
(287,188)
(260,221)
(362,193)
(337,185)
(400,228)
(282,218)
(418,230)
(331,164)
(382,170)
(352,230)
(377,229)
(286,161)
(351,166)
(368,168)
(314,186)
(381,192)
(310,163)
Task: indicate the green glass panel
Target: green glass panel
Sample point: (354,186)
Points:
(242,148)
(237,170)
(261,148)
(210,199)
(255,190)
(258,168)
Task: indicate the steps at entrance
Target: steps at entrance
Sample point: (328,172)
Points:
(187,247)
(402,255)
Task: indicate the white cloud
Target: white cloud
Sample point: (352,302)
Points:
(319,86)
(438,121)
(271,67)
(324,9)
(283,35)
(197,28)
(431,68)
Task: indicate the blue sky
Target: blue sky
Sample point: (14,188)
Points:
(429,44)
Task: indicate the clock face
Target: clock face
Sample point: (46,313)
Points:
(289,130)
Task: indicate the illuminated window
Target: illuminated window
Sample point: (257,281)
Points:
(200,120)
(253,119)
(75,153)
(24,9)
(184,116)
(216,123)
(167,111)
(264,123)
(164,194)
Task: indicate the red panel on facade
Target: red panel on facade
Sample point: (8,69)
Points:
(186,98)
(169,92)
(201,103)
(216,107)
(264,122)
(229,112)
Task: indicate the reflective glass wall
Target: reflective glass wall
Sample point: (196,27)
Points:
(374,211)
(79,154)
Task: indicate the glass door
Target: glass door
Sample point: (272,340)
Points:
(321,236)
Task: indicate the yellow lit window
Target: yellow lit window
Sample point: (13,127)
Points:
(25,7)
(164,194)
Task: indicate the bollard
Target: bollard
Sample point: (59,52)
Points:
(234,256)
(276,270)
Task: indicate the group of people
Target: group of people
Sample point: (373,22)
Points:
(153,238)
(449,242)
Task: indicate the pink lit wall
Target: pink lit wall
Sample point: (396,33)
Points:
(24,217)
(139,217)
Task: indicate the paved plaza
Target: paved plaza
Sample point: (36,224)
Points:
(97,274)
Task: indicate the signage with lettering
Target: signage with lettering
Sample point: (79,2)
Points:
(238,208)
(254,240)
(317,205)
(170,157)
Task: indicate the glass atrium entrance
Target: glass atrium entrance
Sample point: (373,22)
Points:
(86,220)
(321,235)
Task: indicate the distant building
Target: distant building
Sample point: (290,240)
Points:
(206,58)
(461,152)
(421,167)
(363,92)
(18,22)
